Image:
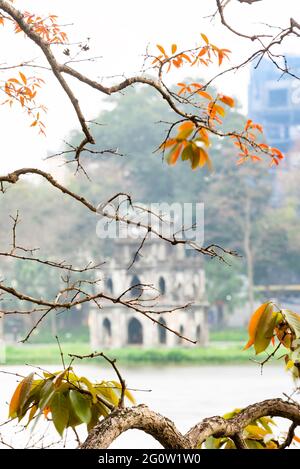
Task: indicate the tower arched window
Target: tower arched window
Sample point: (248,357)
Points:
(135,285)
(162,285)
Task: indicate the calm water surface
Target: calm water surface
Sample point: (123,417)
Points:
(184,394)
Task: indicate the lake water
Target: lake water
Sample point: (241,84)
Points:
(185,394)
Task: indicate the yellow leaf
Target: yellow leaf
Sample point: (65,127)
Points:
(205,38)
(253,431)
(289,364)
(32,413)
(162,50)
(59,378)
(174,48)
(91,388)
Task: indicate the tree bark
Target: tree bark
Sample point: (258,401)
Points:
(166,433)
(139,418)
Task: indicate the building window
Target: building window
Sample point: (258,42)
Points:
(106,331)
(135,332)
(162,332)
(275,132)
(162,285)
(278,97)
(136,288)
(180,340)
(109,285)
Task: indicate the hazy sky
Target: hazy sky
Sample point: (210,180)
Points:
(120,32)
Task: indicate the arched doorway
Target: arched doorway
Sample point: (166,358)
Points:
(106,331)
(136,289)
(198,333)
(162,285)
(135,332)
(181,332)
(162,332)
(109,285)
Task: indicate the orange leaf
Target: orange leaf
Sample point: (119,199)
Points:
(186,125)
(20,395)
(204,94)
(253,323)
(227,100)
(174,48)
(162,50)
(15,401)
(204,159)
(168,143)
(13,80)
(186,57)
(220,57)
(24,79)
(173,156)
(203,51)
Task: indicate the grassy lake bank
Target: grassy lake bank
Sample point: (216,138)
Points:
(215,353)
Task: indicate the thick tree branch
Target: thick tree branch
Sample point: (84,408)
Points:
(139,418)
(165,432)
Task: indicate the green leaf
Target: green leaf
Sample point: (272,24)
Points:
(46,394)
(187,153)
(81,406)
(60,412)
(97,412)
(212,443)
(293,321)
(253,444)
(196,157)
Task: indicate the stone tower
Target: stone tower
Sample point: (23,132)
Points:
(176,273)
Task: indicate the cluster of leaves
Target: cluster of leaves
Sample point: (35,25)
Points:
(47,28)
(190,143)
(203,54)
(250,133)
(269,324)
(23,90)
(69,399)
(191,139)
(212,112)
(258,435)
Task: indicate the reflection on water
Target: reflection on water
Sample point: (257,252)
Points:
(185,394)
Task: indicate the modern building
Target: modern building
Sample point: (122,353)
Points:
(178,276)
(274,102)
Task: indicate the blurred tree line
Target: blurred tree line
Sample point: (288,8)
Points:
(250,208)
